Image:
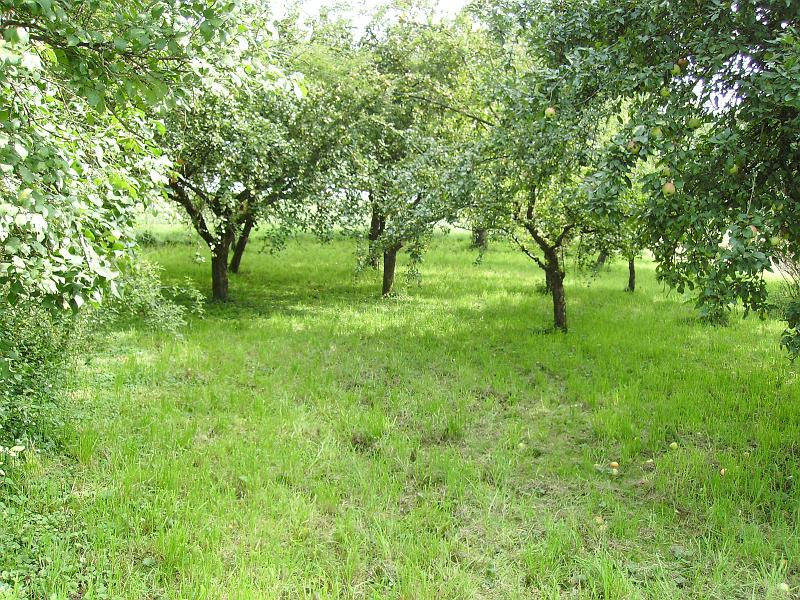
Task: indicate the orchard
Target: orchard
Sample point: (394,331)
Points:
(326,299)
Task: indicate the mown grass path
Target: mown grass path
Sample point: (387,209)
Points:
(309,440)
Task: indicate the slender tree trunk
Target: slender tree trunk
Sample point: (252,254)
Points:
(219,272)
(376,225)
(219,265)
(480,239)
(241,244)
(548,284)
(631,275)
(555,279)
(559,302)
(389,264)
(601,260)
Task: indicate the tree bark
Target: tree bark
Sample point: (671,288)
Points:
(559,302)
(219,269)
(631,275)
(389,264)
(555,279)
(601,260)
(376,226)
(241,244)
(480,239)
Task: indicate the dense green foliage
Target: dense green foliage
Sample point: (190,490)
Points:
(78,83)
(34,345)
(715,108)
(533,119)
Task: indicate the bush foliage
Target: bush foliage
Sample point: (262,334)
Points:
(34,347)
(36,344)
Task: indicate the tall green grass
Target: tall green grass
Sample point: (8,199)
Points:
(311,440)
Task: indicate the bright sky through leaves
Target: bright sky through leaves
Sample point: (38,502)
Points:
(359,11)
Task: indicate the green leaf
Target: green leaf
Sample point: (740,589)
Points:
(21,151)
(17,35)
(13,244)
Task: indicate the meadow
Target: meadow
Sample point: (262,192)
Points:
(309,439)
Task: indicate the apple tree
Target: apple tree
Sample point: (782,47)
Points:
(716,87)
(254,147)
(412,122)
(77,83)
(549,119)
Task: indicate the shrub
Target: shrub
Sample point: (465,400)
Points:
(787,301)
(146,238)
(34,346)
(145,299)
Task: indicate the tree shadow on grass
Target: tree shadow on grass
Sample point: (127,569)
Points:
(616,341)
(461,369)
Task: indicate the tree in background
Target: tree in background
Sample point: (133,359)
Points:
(416,67)
(617,206)
(619,234)
(714,87)
(253,147)
(550,118)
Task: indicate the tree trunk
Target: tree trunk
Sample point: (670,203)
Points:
(219,270)
(559,302)
(241,244)
(555,279)
(376,226)
(631,275)
(480,239)
(601,260)
(389,264)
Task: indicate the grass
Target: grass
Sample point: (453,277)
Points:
(310,440)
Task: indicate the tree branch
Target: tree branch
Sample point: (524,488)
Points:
(181,197)
(564,234)
(454,109)
(539,238)
(525,250)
